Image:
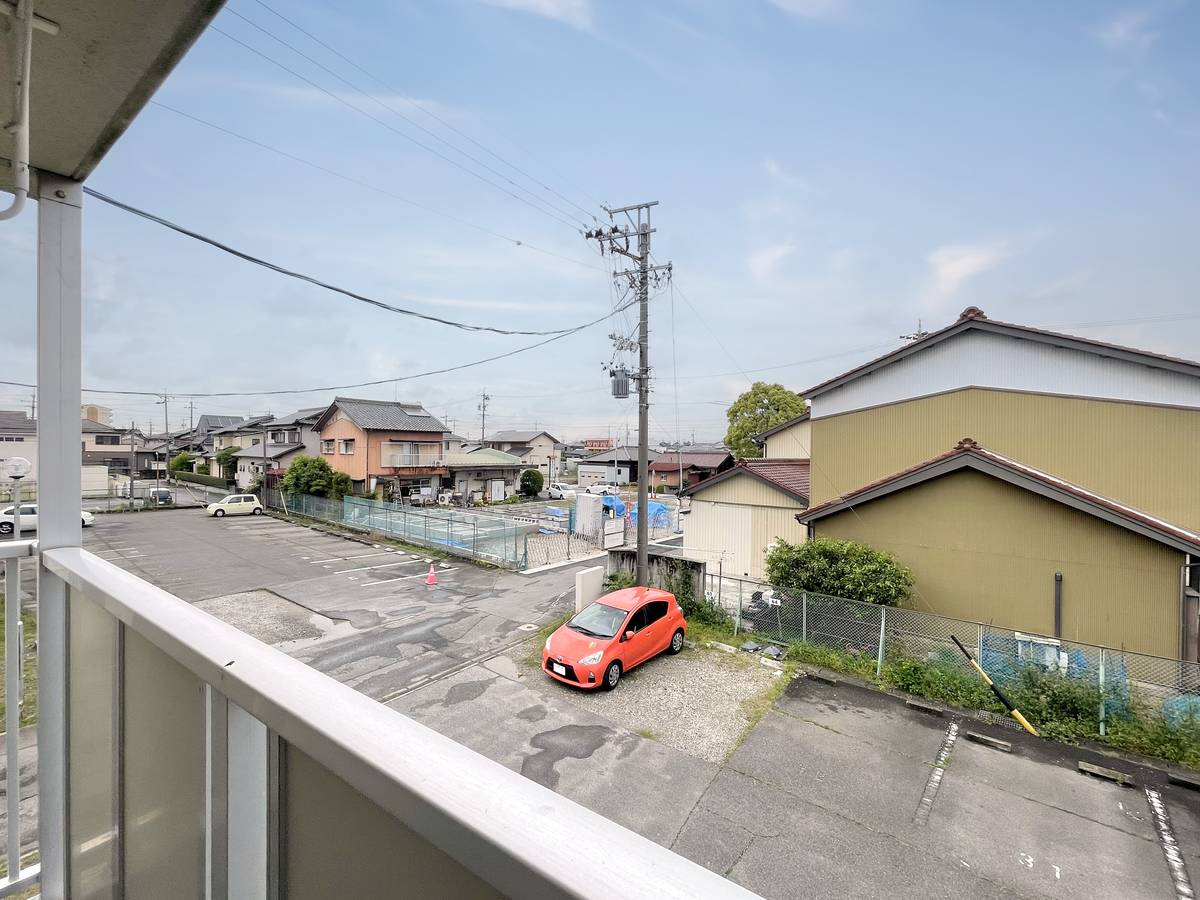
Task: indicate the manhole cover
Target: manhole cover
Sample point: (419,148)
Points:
(527,627)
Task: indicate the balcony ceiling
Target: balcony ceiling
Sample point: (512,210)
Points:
(94,76)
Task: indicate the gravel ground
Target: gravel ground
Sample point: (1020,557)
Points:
(695,702)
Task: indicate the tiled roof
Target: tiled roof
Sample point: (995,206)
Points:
(669,462)
(968,454)
(619,454)
(789,475)
(518,437)
(300,415)
(273,451)
(386,415)
(14,421)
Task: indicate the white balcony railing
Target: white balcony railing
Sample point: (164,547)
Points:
(413,460)
(203,763)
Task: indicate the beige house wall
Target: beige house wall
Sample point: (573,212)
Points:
(1141,455)
(791,443)
(986,550)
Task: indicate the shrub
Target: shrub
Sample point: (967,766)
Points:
(313,475)
(840,569)
(531,482)
(339,485)
(227,460)
(196,478)
(181,462)
(202,469)
(618,581)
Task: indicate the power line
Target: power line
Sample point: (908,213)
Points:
(420,106)
(343,387)
(212,242)
(574,226)
(375,189)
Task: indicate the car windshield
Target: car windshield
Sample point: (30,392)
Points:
(230,499)
(598,620)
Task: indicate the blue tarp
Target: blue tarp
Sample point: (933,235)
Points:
(556,511)
(613,503)
(660,516)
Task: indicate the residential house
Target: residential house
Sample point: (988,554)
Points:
(251,462)
(240,434)
(788,440)
(692,465)
(117,449)
(1039,481)
(94,413)
(537,449)
(484,474)
(286,437)
(619,465)
(18,437)
(453,443)
(398,445)
(738,513)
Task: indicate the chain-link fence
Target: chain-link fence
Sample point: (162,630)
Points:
(491,539)
(1116,682)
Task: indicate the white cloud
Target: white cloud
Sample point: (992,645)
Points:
(763,263)
(576,13)
(822,10)
(953,265)
(1128,31)
(781,175)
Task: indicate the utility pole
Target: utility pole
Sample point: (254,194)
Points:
(132,461)
(33,405)
(191,415)
(483,403)
(166,445)
(617,240)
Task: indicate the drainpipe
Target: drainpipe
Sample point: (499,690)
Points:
(19,127)
(1058,604)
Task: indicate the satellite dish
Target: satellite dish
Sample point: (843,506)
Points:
(17,467)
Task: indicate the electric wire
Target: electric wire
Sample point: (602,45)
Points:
(517,242)
(574,226)
(413,103)
(309,279)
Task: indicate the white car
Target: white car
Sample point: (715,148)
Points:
(29,518)
(560,491)
(603,487)
(235,505)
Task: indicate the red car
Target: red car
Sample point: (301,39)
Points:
(611,636)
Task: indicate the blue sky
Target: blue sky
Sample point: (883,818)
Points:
(829,172)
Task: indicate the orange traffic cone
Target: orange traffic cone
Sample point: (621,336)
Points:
(432,578)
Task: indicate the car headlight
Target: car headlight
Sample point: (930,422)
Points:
(548,643)
(592,658)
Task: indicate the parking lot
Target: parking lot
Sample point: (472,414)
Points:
(837,791)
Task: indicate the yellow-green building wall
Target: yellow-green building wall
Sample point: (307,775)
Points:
(986,550)
(1141,455)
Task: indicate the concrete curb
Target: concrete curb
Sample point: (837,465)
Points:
(1120,778)
(927,708)
(989,741)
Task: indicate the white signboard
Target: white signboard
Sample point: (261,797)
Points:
(614,533)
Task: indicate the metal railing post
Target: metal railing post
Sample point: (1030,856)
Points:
(882,633)
(979,646)
(1103,705)
(804,617)
(13,684)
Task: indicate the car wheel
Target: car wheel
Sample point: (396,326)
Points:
(676,642)
(6,527)
(612,675)
(219,513)
(258,511)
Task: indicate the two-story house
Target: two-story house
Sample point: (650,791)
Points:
(286,437)
(692,466)
(120,450)
(536,449)
(1039,481)
(240,434)
(398,445)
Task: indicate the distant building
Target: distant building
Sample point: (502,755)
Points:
(94,413)
(399,445)
(536,449)
(619,466)
(598,445)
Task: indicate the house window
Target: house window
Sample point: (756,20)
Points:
(326,446)
(347,447)
(110,440)
(253,442)
(277,437)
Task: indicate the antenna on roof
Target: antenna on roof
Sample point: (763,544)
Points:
(916,335)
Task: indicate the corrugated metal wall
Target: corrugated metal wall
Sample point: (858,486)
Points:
(993,360)
(791,443)
(1145,456)
(735,520)
(983,549)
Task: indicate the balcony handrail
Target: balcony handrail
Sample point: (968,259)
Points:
(515,834)
(17,549)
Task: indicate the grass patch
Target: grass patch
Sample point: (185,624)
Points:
(648,734)
(29,645)
(27,860)
(533,656)
(759,705)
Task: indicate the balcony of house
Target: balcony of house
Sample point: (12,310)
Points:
(402,458)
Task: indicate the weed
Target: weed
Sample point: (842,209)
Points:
(533,656)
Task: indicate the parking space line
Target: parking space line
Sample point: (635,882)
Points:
(402,562)
(1170,846)
(921,817)
(313,562)
(399,578)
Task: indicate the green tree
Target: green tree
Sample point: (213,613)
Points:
(340,485)
(227,461)
(181,461)
(202,469)
(307,475)
(763,406)
(531,482)
(841,569)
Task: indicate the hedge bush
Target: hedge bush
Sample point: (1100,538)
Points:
(196,478)
(839,569)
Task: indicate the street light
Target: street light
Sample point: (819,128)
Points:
(16,468)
